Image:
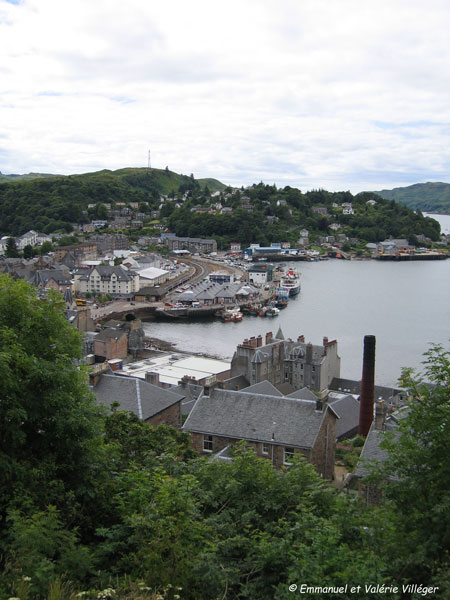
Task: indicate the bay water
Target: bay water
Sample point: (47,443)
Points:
(405,305)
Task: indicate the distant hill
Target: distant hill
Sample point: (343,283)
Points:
(49,203)
(24,177)
(426,197)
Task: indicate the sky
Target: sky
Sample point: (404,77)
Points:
(333,94)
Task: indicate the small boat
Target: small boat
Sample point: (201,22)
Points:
(231,315)
(272,311)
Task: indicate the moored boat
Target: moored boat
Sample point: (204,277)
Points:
(291,281)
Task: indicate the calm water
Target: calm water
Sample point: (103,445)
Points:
(406,306)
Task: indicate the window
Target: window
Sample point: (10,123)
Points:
(265,448)
(288,455)
(207,443)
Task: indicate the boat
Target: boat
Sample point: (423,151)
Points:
(281,297)
(272,311)
(231,315)
(291,281)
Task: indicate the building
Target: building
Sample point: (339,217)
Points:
(281,361)
(260,273)
(106,280)
(276,427)
(111,343)
(191,244)
(151,403)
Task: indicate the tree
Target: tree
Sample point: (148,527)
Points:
(419,460)
(28,251)
(46,247)
(49,422)
(11,248)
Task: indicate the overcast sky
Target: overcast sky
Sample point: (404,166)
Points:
(337,94)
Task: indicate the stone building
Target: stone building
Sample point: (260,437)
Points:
(282,361)
(276,427)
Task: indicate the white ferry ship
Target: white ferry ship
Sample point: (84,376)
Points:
(291,281)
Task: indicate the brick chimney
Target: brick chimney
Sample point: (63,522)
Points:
(367,386)
(301,339)
(269,337)
(253,342)
(259,341)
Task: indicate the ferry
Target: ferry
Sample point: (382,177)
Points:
(291,281)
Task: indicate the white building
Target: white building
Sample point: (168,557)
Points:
(102,279)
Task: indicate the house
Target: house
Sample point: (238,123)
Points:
(276,427)
(320,210)
(154,405)
(191,244)
(111,343)
(285,361)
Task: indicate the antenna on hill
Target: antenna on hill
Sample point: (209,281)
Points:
(149,162)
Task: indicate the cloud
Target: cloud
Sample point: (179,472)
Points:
(316,94)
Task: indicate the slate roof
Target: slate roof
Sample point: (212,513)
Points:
(372,452)
(256,417)
(347,408)
(303,394)
(352,386)
(110,334)
(263,387)
(135,395)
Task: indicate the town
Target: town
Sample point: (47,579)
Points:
(280,396)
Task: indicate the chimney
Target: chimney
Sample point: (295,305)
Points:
(301,339)
(259,341)
(322,399)
(309,353)
(380,413)
(152,377)
(253,341)
(325,341)
(268,337)
(367,386)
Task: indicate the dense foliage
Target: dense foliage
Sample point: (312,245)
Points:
(426,197)
(94,502)
(51,204)
(265,214)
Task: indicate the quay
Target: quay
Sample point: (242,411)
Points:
(412,256)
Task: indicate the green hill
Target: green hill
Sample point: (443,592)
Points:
(51,203)
(426,197)
(24,177)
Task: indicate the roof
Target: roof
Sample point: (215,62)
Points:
(303,394)
(135,395)
(371,452)
(347,408)
(110,334)
(257,417)
(263,387)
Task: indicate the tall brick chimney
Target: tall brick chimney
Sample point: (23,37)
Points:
(367,386)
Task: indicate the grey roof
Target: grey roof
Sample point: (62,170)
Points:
(371,453)
(110,333)
(347,408)
(248,416)
(280,335)
(303,394)
(260,357)
(263,387)
(191,392)
(352,386)
(135,395)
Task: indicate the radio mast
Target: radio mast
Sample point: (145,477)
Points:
(149,163)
